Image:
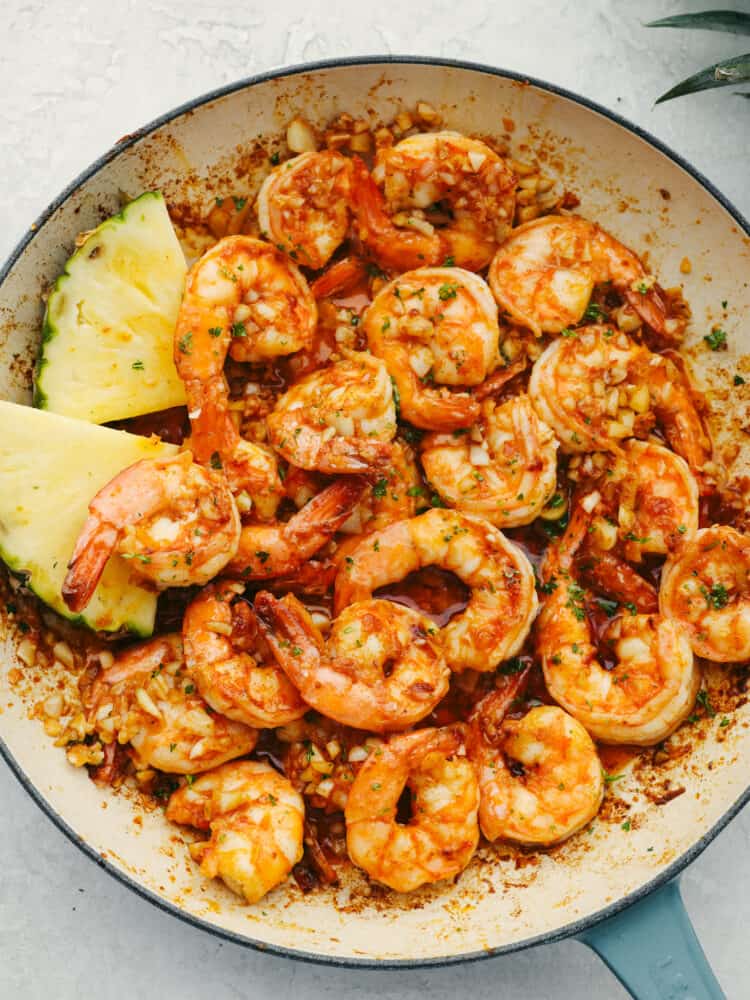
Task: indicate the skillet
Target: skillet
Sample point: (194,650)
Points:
(613,886)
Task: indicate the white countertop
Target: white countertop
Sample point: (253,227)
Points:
(77,74)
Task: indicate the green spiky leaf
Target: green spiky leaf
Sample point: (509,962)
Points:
(728,73)
(732,22)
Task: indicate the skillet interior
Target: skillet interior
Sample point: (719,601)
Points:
(508,897)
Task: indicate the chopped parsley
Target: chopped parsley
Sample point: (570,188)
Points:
(448,290)
(239,203)
(185,344)
(575,601)
(380,488)
(704,701)
(717,597)
(238,330)
(593,313)
(262,556)
(137,366)
(214,331)
(514,666)
(608,607)
(738,380)
(215,461)
(716,339)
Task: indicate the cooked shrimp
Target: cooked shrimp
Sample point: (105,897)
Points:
(648,681)
(303,206)
(175,521)
(455,193)
(544,273)
(597,387)
(381,667)
(705,587)
(540,778)
(271,550)
(441,836)
(255,818)
(245,298)
(648,501)
(148,699)
(503,469)
(436,329)
(503,600)
(588,388)
(340,419)
(234,670)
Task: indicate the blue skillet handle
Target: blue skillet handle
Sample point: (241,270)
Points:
(652,949)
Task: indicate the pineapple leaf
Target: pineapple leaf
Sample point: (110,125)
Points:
(728,73)
(731,21)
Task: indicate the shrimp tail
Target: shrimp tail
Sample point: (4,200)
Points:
(486,719)
(620,581)
(92,551)
(324,514)
(340,277)
(354,455)
(500,378)
(290,632)
(213,432)
(269,551)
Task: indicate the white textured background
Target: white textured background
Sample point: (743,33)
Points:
(75,75)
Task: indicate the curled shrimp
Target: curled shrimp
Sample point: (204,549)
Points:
(588,387)
(234,670)
(440,838)
(340,419)
(504,469)
(454,195)
(648,682)
(598,387)
(280,549)
(175,521)
(647,500)
(303,206)
(380,668)
(256,822)
(540,777)
(544,273)
(147,698)
(436,329)
(502,602)
(244,298)
(705,587)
